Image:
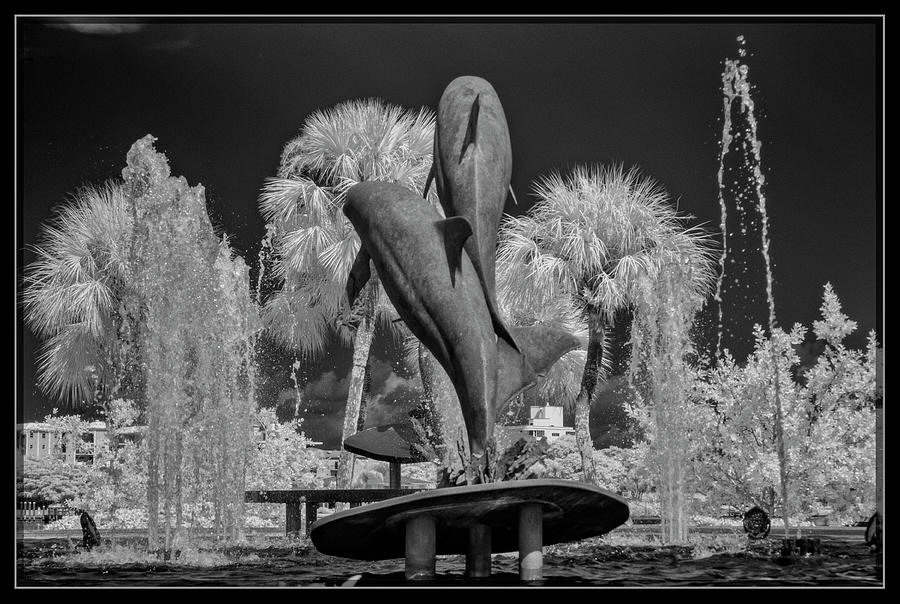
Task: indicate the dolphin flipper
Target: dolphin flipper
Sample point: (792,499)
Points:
(456,230)
(359,275)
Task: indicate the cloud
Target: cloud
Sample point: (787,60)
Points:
(109,28)
(324,400)
(120,28)
(328,386)
(394,381)
(392,401)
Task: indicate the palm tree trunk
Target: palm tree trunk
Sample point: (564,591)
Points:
(444,406)
(361,346)
(589,378)
(367,389)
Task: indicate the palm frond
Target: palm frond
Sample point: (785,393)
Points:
(301,248)
(562,383)
(81,258)
(362,139)
(68,363)
(608,226)
(409,351)
(337,258)
(294,320)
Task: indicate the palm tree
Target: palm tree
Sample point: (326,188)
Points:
(315,245)
(587,240)
(76,297)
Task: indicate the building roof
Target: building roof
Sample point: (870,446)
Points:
(37,427)
(95,426)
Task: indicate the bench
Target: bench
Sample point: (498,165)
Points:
(312,498)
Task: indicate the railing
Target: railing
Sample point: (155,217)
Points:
(34,514)
(312,498)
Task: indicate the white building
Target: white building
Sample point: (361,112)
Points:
(547,422)
(39,440)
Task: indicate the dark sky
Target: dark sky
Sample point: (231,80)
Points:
(224,97)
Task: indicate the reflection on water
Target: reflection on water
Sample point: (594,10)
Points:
(844,562)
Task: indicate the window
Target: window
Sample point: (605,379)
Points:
(555,434)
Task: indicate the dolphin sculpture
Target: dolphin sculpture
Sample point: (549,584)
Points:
(412,248)
(471,168)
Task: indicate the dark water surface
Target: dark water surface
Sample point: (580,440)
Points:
(842,562)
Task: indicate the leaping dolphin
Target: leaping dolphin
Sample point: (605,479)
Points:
(471,168)
(407,241)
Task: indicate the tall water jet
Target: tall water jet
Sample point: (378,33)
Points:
(740,119)
(660,375)
(197,342)
(742,278)
(265,257)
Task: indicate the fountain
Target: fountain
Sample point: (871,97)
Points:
(174,331)
(197,331)
(439,274)
(739,134)
(660,376)
(197,343)
(740,181)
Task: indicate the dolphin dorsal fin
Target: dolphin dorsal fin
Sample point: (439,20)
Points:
(359,275)
(456,230)
(471,129)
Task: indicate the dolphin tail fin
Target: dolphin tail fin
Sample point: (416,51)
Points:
(456,230)
(544,345)
(359,275)
(541,347)
(471,129)
(514,374)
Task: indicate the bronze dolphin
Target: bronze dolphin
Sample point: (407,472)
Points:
(471,168)
(408,241)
